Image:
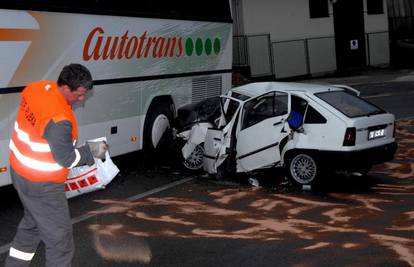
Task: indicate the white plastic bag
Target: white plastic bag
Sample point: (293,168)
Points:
(106,170)
(84,179)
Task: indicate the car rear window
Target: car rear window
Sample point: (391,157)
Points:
(350,105)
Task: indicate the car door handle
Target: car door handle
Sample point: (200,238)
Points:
(277,123)
(216,139)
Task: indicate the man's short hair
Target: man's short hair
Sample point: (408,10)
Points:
(75,75)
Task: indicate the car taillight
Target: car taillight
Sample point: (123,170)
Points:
(350,134)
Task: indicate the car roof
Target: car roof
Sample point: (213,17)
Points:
(259,88)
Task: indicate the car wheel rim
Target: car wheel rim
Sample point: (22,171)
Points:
(160,125)
(303,169)
(195,160)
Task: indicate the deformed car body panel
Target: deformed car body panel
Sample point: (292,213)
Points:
(195,136)
(251,152)
(218,140)
(298,125)
(256,148)
(214,150)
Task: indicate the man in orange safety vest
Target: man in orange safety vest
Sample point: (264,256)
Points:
(42,150)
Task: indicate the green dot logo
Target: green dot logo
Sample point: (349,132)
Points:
(199,46)
(189,46)
(216,46)
(208,46)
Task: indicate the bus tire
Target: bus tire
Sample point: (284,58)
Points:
(157,125)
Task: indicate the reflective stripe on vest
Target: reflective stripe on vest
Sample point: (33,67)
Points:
(30,154)
(32,163)
(25,138)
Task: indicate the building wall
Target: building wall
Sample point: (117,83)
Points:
(300,45)
(376,23)
(377,39)
(284,20)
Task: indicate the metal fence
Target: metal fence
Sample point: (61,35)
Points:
(240,57)
(401,19)
(309,56)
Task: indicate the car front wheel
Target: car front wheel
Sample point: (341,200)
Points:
(303,169)
(195,161)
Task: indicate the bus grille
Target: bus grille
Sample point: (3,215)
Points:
(205,88)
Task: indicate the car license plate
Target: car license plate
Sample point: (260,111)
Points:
(376,134)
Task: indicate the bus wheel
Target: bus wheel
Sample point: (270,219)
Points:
(157,124)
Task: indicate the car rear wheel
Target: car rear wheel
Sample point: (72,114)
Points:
(303,168)
(195,161)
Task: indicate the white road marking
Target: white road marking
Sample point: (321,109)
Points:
(389,94)
(377,96)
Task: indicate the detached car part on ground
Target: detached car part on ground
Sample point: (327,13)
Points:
(309,129)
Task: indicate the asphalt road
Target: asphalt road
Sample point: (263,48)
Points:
(161,216)
(394,97)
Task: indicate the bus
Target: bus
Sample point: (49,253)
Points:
(147,58)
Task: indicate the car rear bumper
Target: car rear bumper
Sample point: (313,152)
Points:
(360,158)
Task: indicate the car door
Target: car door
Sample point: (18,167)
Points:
(262,125)
(218,140)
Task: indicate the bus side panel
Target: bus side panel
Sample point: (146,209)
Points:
(8,110)
(179,89)
(122,47)
(132,60)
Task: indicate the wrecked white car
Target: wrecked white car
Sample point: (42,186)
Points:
(308,129)
(190,129)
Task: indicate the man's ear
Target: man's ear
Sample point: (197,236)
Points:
(66,88)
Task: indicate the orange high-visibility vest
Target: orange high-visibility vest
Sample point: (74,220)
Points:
(30,154)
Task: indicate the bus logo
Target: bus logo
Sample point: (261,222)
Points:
(99,46)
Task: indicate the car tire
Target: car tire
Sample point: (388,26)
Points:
(303,168)
(157,124)
(196,160)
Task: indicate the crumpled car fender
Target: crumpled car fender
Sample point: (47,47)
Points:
(195,136)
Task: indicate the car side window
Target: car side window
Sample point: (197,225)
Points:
(313,116)
(264,107)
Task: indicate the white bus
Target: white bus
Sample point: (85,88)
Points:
(147,59)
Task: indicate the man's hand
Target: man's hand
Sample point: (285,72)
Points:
(98,149)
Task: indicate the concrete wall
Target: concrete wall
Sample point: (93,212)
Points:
(322,57)
(301,45)
(289,59)
(284,20)
(378,38)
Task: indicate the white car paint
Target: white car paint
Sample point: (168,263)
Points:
(269,141)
